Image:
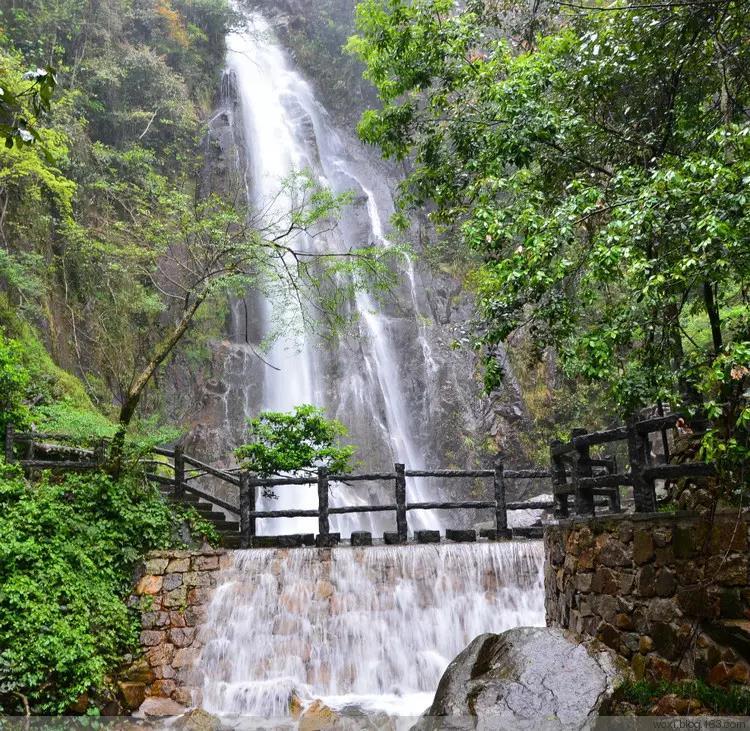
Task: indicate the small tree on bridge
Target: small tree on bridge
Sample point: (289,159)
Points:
(293,442)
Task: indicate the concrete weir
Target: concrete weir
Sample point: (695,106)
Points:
(251,633)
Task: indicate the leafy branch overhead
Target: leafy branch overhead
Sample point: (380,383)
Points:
(598,162)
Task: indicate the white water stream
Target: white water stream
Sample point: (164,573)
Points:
(371,628)
(285,130)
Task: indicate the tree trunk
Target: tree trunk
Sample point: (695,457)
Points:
(160,353)
(712,309)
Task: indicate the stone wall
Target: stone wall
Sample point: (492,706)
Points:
(172,593)
(669,592)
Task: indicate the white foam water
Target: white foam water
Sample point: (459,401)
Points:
(372,628)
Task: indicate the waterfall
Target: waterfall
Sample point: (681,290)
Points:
(283,129)
(371,628)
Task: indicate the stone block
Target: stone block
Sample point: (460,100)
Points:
(646,581)
(185,657)
(181,636)
(156,566)
(171,582)
(165,672)
(205,563)
(605,606)
(151,638)
(623,621)
(195,615)
(583,583)
(162,688)
(609,635)
(625,532)
(631,640)
(728,570)
(148,585)
(658,669)
(184,696)
(177,618)
(152,620)
(195,578)
(662,536)
(688,540)
(138,672)
(460,536)
(198,595)
(178,566)
(159,655)
(664,636)
(131,694)
(175,598)
(728,535)
(427,536)
(361,538)
(662,610)
(665,583)
(638,666)
(643,546)
(645,644)
(614,554)
(605,581)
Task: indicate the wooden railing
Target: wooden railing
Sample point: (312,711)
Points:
(573,467)
(574,472)
(249,486)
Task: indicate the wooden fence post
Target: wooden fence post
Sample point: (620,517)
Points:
(323,526)
(559,480)
(179,473)
(9,434)
(401,526)
(100,451)
(581,467)
(614,496)
(644,494)
(247,506)
(501,512)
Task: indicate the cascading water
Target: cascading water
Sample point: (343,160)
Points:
(365,628)
(285,130)
(369,628)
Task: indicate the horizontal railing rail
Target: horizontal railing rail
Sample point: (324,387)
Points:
(573,466)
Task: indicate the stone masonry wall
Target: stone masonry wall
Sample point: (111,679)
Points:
(669,592)
(172,594)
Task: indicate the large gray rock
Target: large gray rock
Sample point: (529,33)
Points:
(528,677)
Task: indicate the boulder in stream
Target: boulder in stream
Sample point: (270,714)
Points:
(525,678)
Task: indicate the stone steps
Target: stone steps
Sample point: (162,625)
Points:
(228,530)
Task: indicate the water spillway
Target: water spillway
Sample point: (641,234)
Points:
(371,628)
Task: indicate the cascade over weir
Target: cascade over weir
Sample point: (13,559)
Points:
(373,628)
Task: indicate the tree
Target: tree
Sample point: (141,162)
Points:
(299,441)
(19,106)
(185,250)
(599,168)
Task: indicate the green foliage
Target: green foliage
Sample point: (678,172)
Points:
(734,701)
(599,168)
(66,561)
(19,105)
(301,440)
(14,383)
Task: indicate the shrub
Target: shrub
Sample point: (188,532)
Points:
(69,548)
